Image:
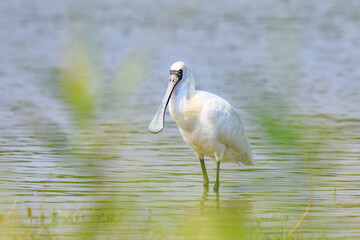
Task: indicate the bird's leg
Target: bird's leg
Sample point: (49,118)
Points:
(205,176)
(218,157)
(217,183)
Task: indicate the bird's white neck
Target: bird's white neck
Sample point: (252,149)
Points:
(179,102)
(184,89)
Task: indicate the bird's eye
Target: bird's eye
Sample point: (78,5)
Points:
(180,74)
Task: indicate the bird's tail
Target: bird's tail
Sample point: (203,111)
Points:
(247,158)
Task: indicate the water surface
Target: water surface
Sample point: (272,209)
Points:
(289,67)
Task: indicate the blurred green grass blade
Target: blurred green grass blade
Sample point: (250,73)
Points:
(78,80)
(132,71)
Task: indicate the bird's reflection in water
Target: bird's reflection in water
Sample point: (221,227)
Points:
(218,200)
(208,198)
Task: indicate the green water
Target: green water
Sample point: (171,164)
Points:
(81,158)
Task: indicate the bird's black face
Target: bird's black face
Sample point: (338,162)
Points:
(176,75)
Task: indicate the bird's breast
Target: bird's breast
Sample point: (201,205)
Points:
(192,109)
(186,113)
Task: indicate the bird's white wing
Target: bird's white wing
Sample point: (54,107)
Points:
(230,130)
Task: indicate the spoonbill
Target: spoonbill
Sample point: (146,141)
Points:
(208,124)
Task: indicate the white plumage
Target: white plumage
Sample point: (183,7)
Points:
(207,122)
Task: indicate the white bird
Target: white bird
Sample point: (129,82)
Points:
(207,122)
